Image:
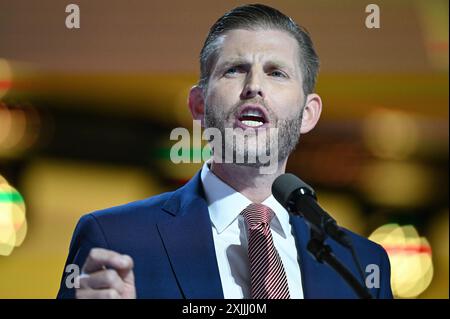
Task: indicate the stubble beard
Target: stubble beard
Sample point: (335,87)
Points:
(287,134)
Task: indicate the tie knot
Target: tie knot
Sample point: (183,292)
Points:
(257,214)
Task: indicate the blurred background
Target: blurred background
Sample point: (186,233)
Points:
(85,118)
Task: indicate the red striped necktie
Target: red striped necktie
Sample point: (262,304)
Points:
(268,277)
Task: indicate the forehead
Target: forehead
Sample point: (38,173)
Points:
(259,45)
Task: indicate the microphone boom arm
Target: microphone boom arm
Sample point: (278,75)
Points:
(323,254)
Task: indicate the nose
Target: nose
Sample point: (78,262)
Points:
(252,87)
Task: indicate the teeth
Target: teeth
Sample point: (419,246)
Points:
(252,123)
(253,113)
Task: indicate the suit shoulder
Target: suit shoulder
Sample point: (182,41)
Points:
(149,206)
(360,242)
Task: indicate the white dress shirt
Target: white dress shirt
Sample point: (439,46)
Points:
(230,238)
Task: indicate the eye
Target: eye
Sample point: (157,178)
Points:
(277,74)
(231,71)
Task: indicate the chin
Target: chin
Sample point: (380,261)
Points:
(248,157)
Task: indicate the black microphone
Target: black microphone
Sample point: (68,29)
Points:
(300,199)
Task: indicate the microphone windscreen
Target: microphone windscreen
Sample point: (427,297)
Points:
(284,185)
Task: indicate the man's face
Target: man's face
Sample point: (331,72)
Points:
(256,84)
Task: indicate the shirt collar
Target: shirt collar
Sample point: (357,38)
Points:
(280,222)
(225,203)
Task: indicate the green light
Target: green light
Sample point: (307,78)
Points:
(7,197)
(195,154)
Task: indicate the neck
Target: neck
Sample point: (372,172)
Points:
(248,180)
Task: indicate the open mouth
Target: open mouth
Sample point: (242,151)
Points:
(252,117)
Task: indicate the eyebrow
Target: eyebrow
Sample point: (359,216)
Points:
(280,65)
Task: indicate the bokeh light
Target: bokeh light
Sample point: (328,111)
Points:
(5,77)
(391,134)
(13,224)
(19,128)
(5,125)
(433,17)
(397,184)
(410,257)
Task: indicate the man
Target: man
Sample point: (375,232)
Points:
(223,235)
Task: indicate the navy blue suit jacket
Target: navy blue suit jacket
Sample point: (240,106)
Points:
(169,237)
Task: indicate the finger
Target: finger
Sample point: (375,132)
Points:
(96,294)
(127,274)
(100,258)
(103,279)
(80,280)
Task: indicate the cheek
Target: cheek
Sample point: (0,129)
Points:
(286,106)
(223,94)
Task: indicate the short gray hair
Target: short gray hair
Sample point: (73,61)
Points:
(254,17)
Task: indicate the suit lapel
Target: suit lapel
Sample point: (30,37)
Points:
(312,271)
(188,241)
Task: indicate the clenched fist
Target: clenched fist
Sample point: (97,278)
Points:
(106,274)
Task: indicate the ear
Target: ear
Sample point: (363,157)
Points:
(311,112)
(197,104)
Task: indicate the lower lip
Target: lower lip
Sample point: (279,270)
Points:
(238,123)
